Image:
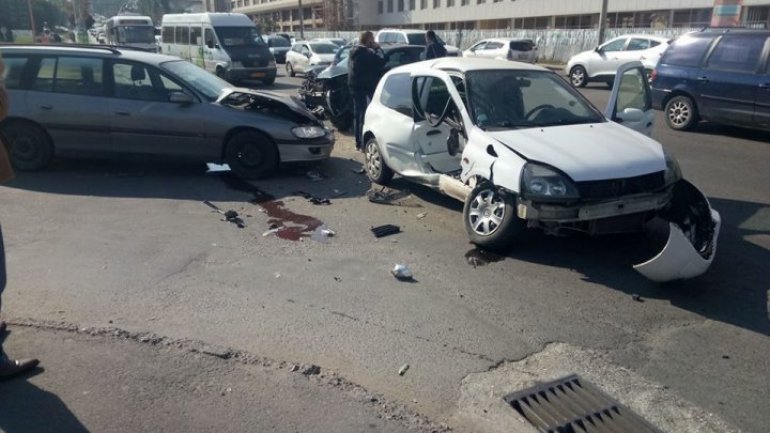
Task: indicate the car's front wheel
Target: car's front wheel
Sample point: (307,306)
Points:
(490,218)
(31,148)
(578,76)
(251,155)
(681,113)
(376,168)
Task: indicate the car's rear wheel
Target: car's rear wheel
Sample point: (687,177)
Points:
(681,113)
(578,76)
(31,148)
(490,218)
(376,168)
(251,155)
(290,70)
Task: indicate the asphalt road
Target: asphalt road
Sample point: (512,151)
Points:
(130,245)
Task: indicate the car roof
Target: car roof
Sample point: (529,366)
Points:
(408,31)
(104,51)
(504,40)
(643,36)
(466,64)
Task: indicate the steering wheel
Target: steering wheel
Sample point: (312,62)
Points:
(536,109)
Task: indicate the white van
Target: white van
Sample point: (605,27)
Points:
(130,31)
(228,45)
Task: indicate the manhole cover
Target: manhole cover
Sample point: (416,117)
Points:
(573,405)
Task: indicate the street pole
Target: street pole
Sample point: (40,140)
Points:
(603,21)
(301,21)
(31,19)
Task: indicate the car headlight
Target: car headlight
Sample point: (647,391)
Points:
(308,131)
(541,182)
(673,172)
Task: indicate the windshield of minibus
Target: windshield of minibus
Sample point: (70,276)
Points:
(239,36)
(136,35)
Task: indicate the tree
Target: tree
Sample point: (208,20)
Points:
(47,11)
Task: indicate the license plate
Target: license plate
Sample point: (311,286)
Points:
(257,74)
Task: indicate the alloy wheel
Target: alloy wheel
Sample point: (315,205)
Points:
(679,113)
(486,213)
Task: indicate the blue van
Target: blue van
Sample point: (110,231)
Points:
(715,75)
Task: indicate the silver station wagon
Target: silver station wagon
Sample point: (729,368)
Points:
(82,101)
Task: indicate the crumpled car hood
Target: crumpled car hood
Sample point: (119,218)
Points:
(595,151)
(292,102)
(332,72)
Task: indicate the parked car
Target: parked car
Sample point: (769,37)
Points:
(715,75)
(523,149)
(304,55)
(601,63)
(106,101)
(328,89)
(411,37)
(336,41)
(279,46)
(520,50)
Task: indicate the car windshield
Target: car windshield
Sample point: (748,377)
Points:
(279,42)
(204,82)
(324,48)
(416,39)
(239,36)
(511,99)
(136,34)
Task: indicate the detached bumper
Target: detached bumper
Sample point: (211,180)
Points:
(307,150)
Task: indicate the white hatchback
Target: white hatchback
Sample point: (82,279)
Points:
(303,56)
(601,63)
(523,149)
(521,50)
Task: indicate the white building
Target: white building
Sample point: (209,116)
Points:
(495,14)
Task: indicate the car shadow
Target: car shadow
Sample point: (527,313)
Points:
(25,408)
(711,128)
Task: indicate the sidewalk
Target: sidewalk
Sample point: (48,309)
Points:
(100,383)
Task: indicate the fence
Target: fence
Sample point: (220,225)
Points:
(554,45)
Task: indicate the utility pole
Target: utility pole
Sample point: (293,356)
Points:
(31,19)
(603,21)
(301,21)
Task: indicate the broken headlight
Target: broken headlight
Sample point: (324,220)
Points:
(308,131)
(542,182)
(673,172)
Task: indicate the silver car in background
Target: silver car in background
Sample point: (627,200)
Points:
(105,101)
(519,50)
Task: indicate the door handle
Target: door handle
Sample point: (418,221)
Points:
(434,132)
(122,113)
(46,107)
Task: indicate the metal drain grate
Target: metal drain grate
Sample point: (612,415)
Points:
(573,405)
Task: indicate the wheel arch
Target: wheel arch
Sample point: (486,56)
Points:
(679,92)
(11,119)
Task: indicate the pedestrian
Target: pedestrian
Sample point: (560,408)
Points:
(8,367)
(365,66)
(434,48)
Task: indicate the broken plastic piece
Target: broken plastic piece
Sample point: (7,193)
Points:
(217,168)
(315,176)
(403,369)
(422,215)
(231,216)
(402,272)
(358,170)
(311,198)
(384,196)
(386,230)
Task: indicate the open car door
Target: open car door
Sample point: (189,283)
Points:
(631,99)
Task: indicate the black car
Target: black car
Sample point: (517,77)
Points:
(716,75)
(325,92)
(279,46)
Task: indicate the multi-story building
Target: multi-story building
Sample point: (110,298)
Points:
(496,14)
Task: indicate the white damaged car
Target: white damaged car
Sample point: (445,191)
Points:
(523,149)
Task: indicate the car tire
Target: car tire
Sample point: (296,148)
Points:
(490,218)
(31,148)
(343,122)
(578,76)
(681,113)
(290,70)
(221,73)
(376,168)
(251,155)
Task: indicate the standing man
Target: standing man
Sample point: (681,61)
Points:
(434,49)
(364,71)
(8,367)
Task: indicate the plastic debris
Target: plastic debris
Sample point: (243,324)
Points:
(315,176)
(384,196)
(403,369)
(358,170)
(402,272)
(311,198)
(230,216)
(322,234)
(216,168)
(277,275)
(422,215)
(385,230)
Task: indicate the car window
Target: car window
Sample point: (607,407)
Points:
(182,36)
(168,35)
(305,50)
(479,46)
(397,94)
(133,81)
(277,41)
(343,53)
(654,43)
(637,44)
(494,46)
(208,35)
(616,45)
(687,50)
(633,92)
(79,76)
(45,73)
(400,57)
(325,48)
(434,94)
(522,45)
(14,67)
(738,53)
(196,36)
(416,39)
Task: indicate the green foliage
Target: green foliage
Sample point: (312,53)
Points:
(50,11)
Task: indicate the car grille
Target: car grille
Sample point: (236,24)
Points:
(614,188)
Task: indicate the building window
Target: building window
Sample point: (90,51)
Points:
(412,5)
(423,4)
(450,3)
(400,5)
(757,17)
(480,1)
(652,19)
(437,4)
(390,6)
(465,2)
(380,7)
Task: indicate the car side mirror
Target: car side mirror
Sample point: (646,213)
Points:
(630,115)
(180,98)
(453,142)
(598,50)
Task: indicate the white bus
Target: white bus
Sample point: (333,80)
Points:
(131,31)
(226,44)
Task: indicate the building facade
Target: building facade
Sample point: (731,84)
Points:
(499,14)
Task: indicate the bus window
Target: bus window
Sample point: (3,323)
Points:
(182,36)
(168,35)
(195,36)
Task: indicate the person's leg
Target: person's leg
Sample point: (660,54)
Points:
(359,109)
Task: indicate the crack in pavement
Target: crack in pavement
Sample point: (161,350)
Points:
(389,410)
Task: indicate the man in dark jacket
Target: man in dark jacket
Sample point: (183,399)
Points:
(434,49)
(365,64)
